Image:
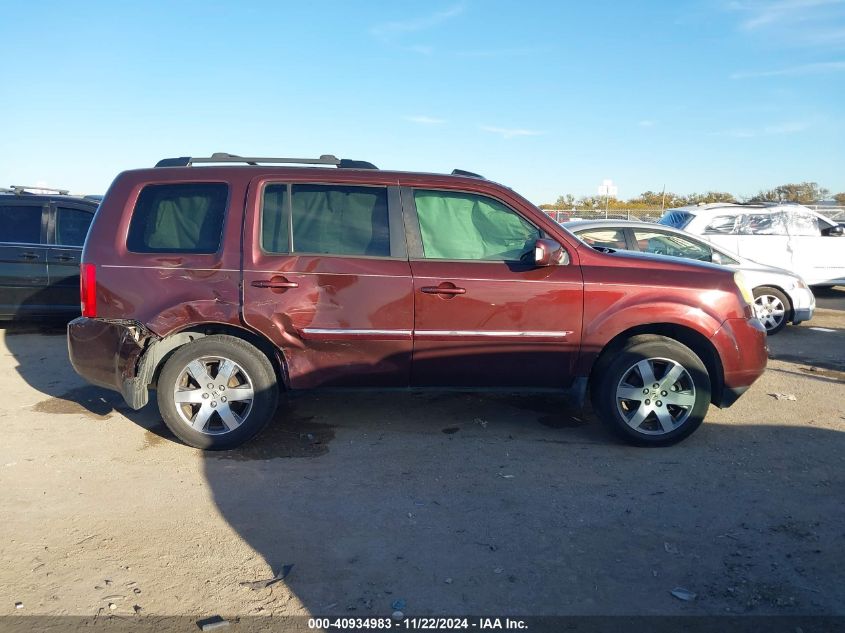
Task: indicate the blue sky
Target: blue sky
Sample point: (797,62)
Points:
(546,97)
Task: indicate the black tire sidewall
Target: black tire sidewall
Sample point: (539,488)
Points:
(759,291)
(604,400)
(256,365)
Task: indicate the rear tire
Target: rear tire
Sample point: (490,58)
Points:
(772,307)
(217,392)
(654,392)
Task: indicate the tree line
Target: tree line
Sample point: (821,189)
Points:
(802,193)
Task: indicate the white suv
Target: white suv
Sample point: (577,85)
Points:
(788,236)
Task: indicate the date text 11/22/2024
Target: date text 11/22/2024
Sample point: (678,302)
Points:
(422,623)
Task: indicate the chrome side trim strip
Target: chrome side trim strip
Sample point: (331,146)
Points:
(508,333)
(490,333)
(316,330)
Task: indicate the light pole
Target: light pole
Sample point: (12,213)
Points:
(607,189)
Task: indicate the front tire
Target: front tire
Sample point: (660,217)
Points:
(655,392)
(772,307)
(217,392)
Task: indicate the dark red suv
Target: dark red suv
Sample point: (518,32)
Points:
(221,285)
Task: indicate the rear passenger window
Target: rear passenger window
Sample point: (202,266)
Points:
(179,218)
(327,219)
(72,226)
(20,224)
(724,224)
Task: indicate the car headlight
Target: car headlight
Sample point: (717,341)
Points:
(799,283)
(744,288)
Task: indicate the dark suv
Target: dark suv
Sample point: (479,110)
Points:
(41,238)
(221,285)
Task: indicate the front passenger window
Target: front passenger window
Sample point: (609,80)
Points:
(465,226)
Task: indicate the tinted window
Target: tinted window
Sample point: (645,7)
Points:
(608,238)
(181,218)
(274,222)
(722,224)
(340,220)
(670,244)
(72,226)
(467,226)
(20,223)
(675,219)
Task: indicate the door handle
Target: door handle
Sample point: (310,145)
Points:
(282,284)
(443,290)
(66,258)
(29,256)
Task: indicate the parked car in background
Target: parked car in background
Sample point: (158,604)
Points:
(787,236)
(780,297)
(219,285)
(41,239)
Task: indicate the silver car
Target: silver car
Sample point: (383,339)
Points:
(780,296)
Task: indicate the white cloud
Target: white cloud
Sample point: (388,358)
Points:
(390,30)
(765,13)
(424,120)
(777,129)
(492,53)
(818,68)
(505,132)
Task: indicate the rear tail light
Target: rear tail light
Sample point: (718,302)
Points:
(88,289)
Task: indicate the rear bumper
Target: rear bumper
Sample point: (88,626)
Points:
(107,353)
(741,344)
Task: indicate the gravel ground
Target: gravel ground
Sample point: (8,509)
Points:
(452,503)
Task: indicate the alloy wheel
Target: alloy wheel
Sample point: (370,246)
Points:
(655,396)
(213,395)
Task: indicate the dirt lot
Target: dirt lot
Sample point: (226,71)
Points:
(455,504)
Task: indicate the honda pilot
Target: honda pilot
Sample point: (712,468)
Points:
(221,282)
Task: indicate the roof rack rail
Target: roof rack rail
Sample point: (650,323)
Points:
(19,189)
(463,172)
(223,157)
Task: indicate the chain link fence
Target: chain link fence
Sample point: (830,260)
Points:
(643,215)
(837,214)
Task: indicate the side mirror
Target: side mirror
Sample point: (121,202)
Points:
(549,253)
(716,257)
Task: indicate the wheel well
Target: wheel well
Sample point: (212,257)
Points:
(175,340)
(698,343)
(789,306)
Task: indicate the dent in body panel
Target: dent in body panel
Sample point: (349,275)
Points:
(338,300)
(167,299)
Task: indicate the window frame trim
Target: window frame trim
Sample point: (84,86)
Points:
(53,224)
(395,220)
(223,224)
(43,235)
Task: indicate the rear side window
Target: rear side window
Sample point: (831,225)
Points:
(723,224)
(178,218)
(72,226)
(20,224)
(327,219)
(675,219)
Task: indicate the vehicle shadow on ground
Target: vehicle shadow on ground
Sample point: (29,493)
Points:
(803,345)
(48,370)
(473,504)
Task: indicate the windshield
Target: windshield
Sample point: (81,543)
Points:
(676,219)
